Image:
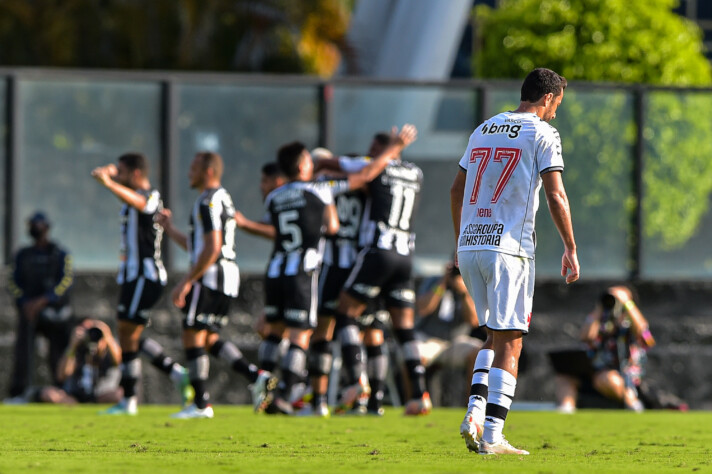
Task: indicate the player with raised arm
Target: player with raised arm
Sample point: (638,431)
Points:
(141,276)
(300,211)
(384,268)
(494,199)
(211,284)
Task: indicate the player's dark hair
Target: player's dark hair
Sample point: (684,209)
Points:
(271,170)
(288,157)
(135,161)
(210,159)
(382,138)
(542,81)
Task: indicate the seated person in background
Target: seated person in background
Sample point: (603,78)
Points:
(447,316)
(618,337)
(89,370)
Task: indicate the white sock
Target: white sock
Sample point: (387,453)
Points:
(480,377)
(176,374)
(502,385)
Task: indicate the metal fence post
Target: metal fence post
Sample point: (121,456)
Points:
(636,230)
(169,154)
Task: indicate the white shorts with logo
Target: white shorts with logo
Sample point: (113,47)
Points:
(502,287)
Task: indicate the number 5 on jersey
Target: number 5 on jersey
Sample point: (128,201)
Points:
(512,155)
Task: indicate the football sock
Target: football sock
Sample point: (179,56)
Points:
(351,353)
(159,359)
(320,360)
(130,373)
(377,365)
(198,367)
(293,371)
(229,352)
(411,353)
(502,385)
(480,375)
(268,352)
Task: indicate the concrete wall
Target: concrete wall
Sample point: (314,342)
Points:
(679,316)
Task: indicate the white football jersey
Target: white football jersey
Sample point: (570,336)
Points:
(504,161)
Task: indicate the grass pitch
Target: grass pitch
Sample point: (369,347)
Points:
(43,438)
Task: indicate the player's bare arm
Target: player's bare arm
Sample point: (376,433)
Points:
(212,242)
(368,173)
(457,192)
(331,220)
(105,175)
(260,229)
(164,218)
(561,215)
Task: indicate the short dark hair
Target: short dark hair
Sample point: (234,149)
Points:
(288,157)
(542,81)
(271,169)
(382,138)
(135,161)
(210,159)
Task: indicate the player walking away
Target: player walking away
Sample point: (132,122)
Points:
(384,267)
(141,276)
(211,284)
(494,200)
(298,210)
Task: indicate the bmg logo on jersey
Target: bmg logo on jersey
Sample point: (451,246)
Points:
(512,131)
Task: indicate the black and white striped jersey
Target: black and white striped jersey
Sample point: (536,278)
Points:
(296,210)
(215,211)
(341,249)
(392,200)
(141,241)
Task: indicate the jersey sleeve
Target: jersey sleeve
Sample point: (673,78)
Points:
(210,211)
(334,186)
(326,190)
(153,202)
(353,165)
(549,157)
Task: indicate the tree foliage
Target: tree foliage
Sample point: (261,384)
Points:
(616,41)
(593,40)
(280,36)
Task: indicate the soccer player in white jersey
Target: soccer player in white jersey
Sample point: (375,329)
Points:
(494,200)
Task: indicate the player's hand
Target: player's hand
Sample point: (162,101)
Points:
(570,266)
(408,134)
(164,218)
(179,293)
(104,174)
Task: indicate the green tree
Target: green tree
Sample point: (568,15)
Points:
(618,41)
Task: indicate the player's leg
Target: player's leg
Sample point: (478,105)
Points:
(510,288)
(150,294)
(399,294)
(300,305)
(320,361)
(377,366)
(472,425)
(204,309)
(363,285)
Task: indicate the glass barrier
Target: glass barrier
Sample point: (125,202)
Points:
(246,125)
(677,223)
(597,131)
(68,129)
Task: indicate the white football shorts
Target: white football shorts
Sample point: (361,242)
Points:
(502,287)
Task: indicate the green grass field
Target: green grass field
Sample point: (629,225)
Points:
(42,438)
